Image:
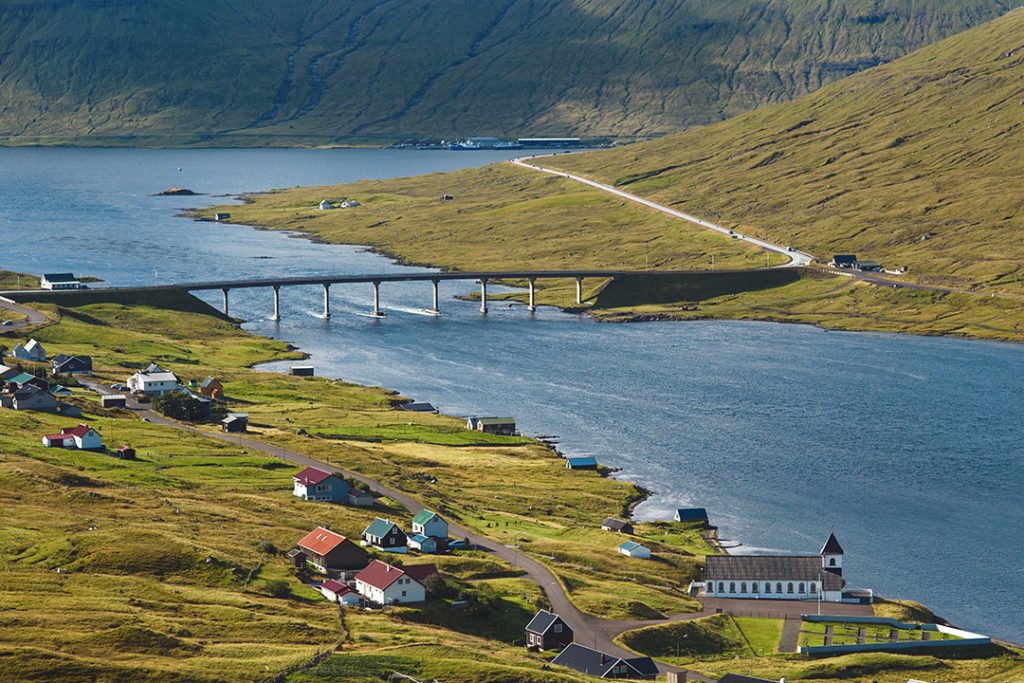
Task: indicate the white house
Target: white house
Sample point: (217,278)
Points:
(59,281)
(386,585)
(153,381)
(336,591)
(33,351)
(82,437)
(634,549)
(429,523)
(778,577)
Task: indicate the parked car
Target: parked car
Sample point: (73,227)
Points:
(457,545)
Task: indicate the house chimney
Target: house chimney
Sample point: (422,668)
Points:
(602,658)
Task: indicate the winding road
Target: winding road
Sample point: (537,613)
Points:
(589,630)
(32,317)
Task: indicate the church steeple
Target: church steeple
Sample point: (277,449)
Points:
(832,555)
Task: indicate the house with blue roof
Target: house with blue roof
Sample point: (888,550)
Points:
(423,544)
(634,549)
(385,535)
(429,523)
(588,463)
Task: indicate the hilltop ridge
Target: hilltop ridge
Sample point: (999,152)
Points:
(315,72)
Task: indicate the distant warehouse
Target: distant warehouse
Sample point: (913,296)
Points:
(544,143)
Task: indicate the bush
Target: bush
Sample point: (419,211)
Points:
(279,588)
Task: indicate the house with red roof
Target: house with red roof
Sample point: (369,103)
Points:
(314,484)
(336,591)
(385,584)
(82,437)
(328,551)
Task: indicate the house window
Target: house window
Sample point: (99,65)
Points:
(767,587)
(801,587)
(732,586)
(789,588)
(403,594)
(743,587)
(754,586)
(322,487)
(558,628)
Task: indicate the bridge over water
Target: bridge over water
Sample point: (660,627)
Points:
(326,281)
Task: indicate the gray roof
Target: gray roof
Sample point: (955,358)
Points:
(595,663)
(615,524)
(542,621)
(691,515)
(769,568)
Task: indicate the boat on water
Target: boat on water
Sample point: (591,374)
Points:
(462,146)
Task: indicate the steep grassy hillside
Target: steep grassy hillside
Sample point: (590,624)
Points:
(915,163)
(253,72)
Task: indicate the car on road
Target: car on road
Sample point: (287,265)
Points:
(145,419)
(7,323)
(119,387)
(457,545)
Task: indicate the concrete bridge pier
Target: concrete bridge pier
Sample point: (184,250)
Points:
(532,307)
(327,300)
(277,302)
(376,300)
(579,291)
(483,295)
(435,309)
(224,291)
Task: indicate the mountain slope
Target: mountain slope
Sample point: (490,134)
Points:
(324,71)
(913,163)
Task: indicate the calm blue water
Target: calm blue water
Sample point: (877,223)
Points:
(911,448)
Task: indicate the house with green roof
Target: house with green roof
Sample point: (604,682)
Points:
(385,535)
(634,549)
(429,523)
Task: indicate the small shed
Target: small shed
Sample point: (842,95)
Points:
(301,370)
(126,453)
(423,544)
(114,401)
(360,498)
(869,266)
(336,591)
(221,216)
(493,425)
(581,463)
(634,549)
(297,558)
(691,515)
(235,422)
(617,525)
(325,205)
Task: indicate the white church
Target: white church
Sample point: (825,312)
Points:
(782,577)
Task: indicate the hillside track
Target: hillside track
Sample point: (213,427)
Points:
(589,630)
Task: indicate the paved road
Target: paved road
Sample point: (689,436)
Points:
(797,258)
(589,630)
(32,317)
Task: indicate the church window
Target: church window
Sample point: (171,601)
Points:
(789,588)
(832,562)
(768,587)
(778,587)
(814,587)
(743,587)
(732,586)
(721,586)
(801,588)
(753,587)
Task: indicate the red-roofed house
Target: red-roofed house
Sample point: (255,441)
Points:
(387,585)
(82,437)
(336,591)
(314,484)
(328,551)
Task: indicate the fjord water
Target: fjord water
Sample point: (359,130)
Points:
(911,448)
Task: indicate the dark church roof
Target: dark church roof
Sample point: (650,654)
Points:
(770,568)
(832,546)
